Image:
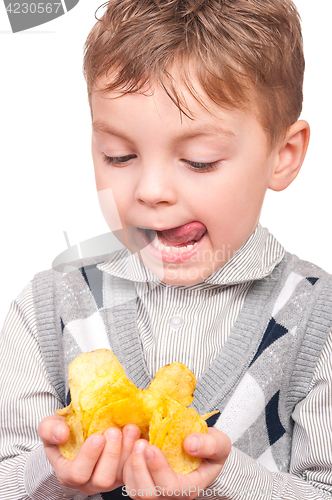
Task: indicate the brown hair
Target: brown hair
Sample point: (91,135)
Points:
(245,53)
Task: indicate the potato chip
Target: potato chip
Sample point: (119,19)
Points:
(174,381)
(64,411)
(171,406)
(102,392)
(161,414)
(88,367)
(102,420)
(103,397)
(137,410)
(70,449)
(158,437)
(171,435)
(208,415)
(156,422)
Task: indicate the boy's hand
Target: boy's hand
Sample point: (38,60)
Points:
(98,465)
(147,470)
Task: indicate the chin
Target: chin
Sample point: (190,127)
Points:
(180,271)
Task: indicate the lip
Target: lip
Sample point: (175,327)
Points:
(150,228)
(169,257)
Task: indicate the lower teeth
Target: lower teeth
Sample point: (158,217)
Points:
(158,245)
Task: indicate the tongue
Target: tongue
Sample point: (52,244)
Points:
(183,235)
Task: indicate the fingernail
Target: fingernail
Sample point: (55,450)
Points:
(149,454)
(131,434)
(57,432)
(113,435)
(98,441)
(195,444)
(139,447)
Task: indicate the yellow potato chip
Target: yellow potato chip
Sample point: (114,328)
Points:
(88,367)
(174,381)
(102,392)
(103,396)
(64,411)
(70,449)
(149,401)
(156,422)
(161,415)
(171,406)
(208,415)
(171,435)
(158,435)
(102,420)
(136,410)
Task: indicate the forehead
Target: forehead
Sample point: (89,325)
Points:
(172,96)
(144,120)
(151,107)
(134,111)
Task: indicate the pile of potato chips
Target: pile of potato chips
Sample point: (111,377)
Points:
(102,396)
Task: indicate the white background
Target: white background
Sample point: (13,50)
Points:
(46,174)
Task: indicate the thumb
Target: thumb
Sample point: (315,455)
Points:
(215,446)
(53,430)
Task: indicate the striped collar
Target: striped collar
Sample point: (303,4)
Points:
(254,260)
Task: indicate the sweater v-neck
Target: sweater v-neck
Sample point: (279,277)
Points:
(216,383)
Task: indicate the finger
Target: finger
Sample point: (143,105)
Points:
(79,471)
(58,462)
(130,434)
(137,477)
(53,430)
(105,473)
(215,446)
(160,470)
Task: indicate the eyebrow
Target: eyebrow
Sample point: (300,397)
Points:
(206,129)
(100,126)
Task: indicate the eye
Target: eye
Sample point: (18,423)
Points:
(118,160)
(203,167)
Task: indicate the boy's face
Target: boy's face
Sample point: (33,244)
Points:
(206,176)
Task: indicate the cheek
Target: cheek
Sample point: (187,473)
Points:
(115,188)
(103,171)
(101,182)
(231,203)
(106,177)
(98,164)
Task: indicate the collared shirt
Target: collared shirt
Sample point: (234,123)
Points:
(191,324)
(208,310)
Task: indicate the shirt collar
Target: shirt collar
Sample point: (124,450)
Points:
(254,260)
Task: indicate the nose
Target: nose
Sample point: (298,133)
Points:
(156,185)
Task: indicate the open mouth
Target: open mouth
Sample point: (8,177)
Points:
(179,240)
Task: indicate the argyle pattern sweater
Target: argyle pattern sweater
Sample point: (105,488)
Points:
(262,372)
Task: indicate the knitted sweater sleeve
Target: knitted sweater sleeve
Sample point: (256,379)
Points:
(26,397)
(310,476)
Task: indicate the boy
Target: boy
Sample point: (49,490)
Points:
(195,110)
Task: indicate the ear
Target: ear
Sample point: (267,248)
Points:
(290,155)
